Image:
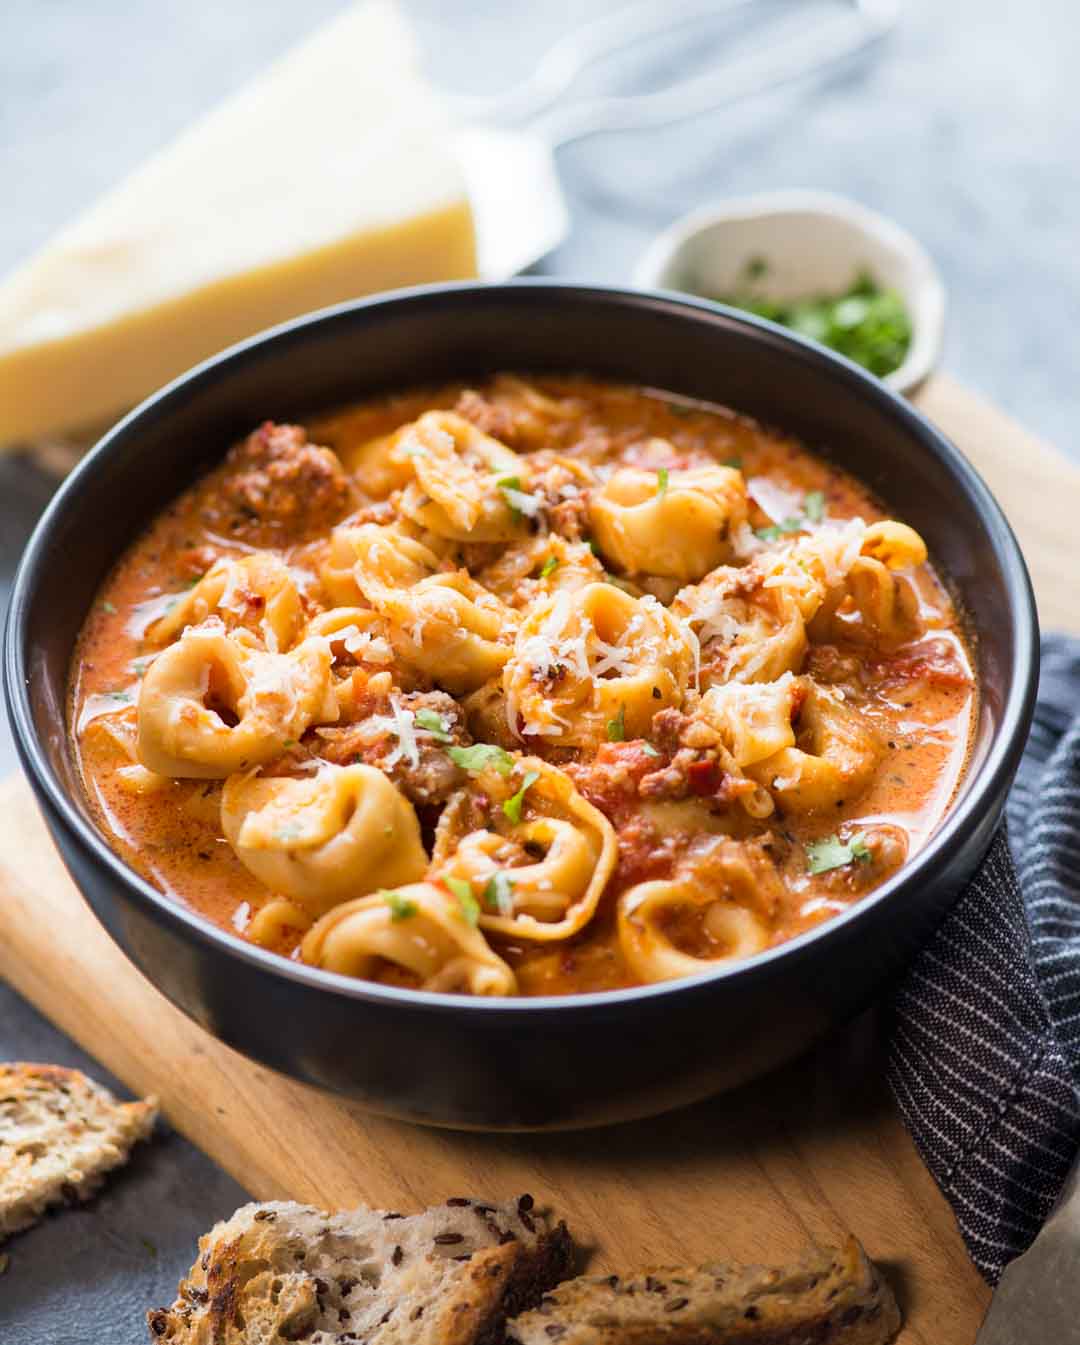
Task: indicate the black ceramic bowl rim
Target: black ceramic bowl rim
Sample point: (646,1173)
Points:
(986,780)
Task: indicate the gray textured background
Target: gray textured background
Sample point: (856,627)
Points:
(964,128)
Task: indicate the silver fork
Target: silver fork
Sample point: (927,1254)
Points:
(799,47)
(511,171)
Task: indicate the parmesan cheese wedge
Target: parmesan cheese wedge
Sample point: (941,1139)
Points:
(332,175)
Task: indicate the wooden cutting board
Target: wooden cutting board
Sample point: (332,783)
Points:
(809,1153)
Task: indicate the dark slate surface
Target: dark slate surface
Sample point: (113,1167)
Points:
(964,128)
(87,1275)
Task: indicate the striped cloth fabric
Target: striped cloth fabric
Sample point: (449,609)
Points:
(984,1034)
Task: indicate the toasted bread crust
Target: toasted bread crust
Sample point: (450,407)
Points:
(449,1276)
(831,1297)
(60,1133)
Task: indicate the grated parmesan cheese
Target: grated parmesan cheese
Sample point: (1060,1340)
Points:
(529,505)
(718,626)
(231,600)
(613,658)
(789,781)
(756,656)
(399,723)
(753,717)
(269,636)
(744,542)
(692,643)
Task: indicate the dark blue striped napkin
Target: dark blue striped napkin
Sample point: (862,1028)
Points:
(984,1036)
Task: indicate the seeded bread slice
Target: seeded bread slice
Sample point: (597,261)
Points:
(60,1133)
(831,1297)
(449,1276)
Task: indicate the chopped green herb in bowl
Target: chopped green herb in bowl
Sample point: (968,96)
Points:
(868,324)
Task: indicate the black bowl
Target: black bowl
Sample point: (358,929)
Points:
(529,1063)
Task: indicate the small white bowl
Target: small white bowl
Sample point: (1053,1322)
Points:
(814,243)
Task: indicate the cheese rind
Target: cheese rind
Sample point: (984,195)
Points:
(329,177)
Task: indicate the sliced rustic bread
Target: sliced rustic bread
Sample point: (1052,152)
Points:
(830,1297)
(59,1134)
(449,1276)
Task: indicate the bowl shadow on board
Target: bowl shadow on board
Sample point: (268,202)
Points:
(841,1091)
(756,1153)
(521,1064)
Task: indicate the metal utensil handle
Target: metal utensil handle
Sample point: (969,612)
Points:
(781,59)
(576,50)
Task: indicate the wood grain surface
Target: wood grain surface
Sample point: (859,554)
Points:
(807,1154)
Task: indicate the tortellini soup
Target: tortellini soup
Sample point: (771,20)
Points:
(523,687)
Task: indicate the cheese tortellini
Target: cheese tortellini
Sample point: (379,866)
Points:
(531,571)
(540,875)
(753,622)
(717,910)
(468,487)
(645,913)
(440,621)
(209,706)
(418,930)
(596,657)
(678,525)
(322,839)
(754,720)
(354,633)
(254,596)
(745,635)
(797,739)
(372,560)
(875,605)
(452,629)
(495,702)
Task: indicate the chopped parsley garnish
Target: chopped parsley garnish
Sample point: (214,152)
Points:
(814,505)
(118,695)
(775,531)
(591,544)
(649,750)
(289,742)
(832,853)
(434,724)
(549,567)
(470,907)
(401,907)
(508,485)
(678,409)
(499,893)
(416,451)
(139,667)
(479,755)
(460,887)
(512,806)
(109,607)
(616,728)
(813,512)
(734,462)
(868,324)
(197,580)
(662,482)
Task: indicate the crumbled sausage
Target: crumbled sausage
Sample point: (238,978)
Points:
(279,487)
(434,777)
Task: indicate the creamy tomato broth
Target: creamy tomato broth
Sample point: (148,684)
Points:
(522,687)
